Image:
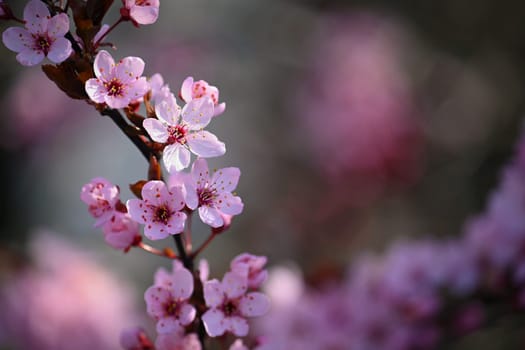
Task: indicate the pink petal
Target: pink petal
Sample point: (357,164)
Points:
(138,211)
(96,90)
(205,144)
(234,285)
(228,204)
(144,14)
(197,113)
(163,278)
(58,26)
(214,322)
(176,157)
(156,297)
(17,39)
(101,32)
(155,192)
(30,57)
(176,223)
(36,16)
(182,284)
(60,50)
(156,231)
(187,314)
(168,111)
(176,199)
(104,65)
(237,325)
(211,216)
(200,173)
(136,89)
(204,270)
(190,195)
(157,130)
(219,109)
(226,179)
(254,304)
(213,293)
(168,325)
(129,68)
(186,89)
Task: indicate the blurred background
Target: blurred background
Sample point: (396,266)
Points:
(354,123)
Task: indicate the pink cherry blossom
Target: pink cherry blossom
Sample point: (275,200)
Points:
(192,90)
(101,196)
(141,11)
(213,194)
(186,135)
(159,90)
(168,304)
(43,36)
(118,84)
(177,341)
(159,210)
(135,339)
(253,266)
(120,232)
(230,305)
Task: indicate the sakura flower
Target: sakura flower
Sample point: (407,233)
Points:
(159,90)
(135,339)
(101,196)
(213,194)
(168,305)
(253,265)
(120,231)
(178,341)
(186,135)
(159,210)
(192,90)
(141,11)
(43,36)
(230,305)
(118,84)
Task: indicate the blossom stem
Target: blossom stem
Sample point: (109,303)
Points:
(155,251)
(120,20)
(129,131)
(204,245)
(186,260)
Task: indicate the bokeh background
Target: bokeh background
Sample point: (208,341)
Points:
(355,124)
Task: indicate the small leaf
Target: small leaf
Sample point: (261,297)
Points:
(67,78)
(136,188)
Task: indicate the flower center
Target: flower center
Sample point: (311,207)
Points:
(172,308)
(162,214)
(230,308)
(43,44)
(114,87)
(206,196)
(177,134)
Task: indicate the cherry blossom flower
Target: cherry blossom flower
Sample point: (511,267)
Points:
(185,135)
(120,232)
(213,194)
(101,196)
(159,90)
(43,36)
(159,210)
(118,84)
(192,90)
(141,11)
(135,339)
(177,341)
(230,305)
(253,266)
(169,305)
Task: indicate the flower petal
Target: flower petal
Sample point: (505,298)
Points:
(136,89)
(17,39)
(213,293)
(187,314)
(219,109)
(185,90)
(156,297)
(226,179)
(182,284)
(155,231)
(211,216)
(176,157)
(157,130)
(60,50)
(214,322)
(168,111)
(254,304)
(168,325)
(36,16)
(30,57)
(144,14)
(234,284)
(58,26)
(138,211)
(129,68)
(155,192)
(228,203)
(96,90)
(176,223)
(197,113)
(205,144)
(237,325)
(104,65)
(200,173)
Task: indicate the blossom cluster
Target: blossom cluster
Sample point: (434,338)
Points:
(417,295)
(187,307)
